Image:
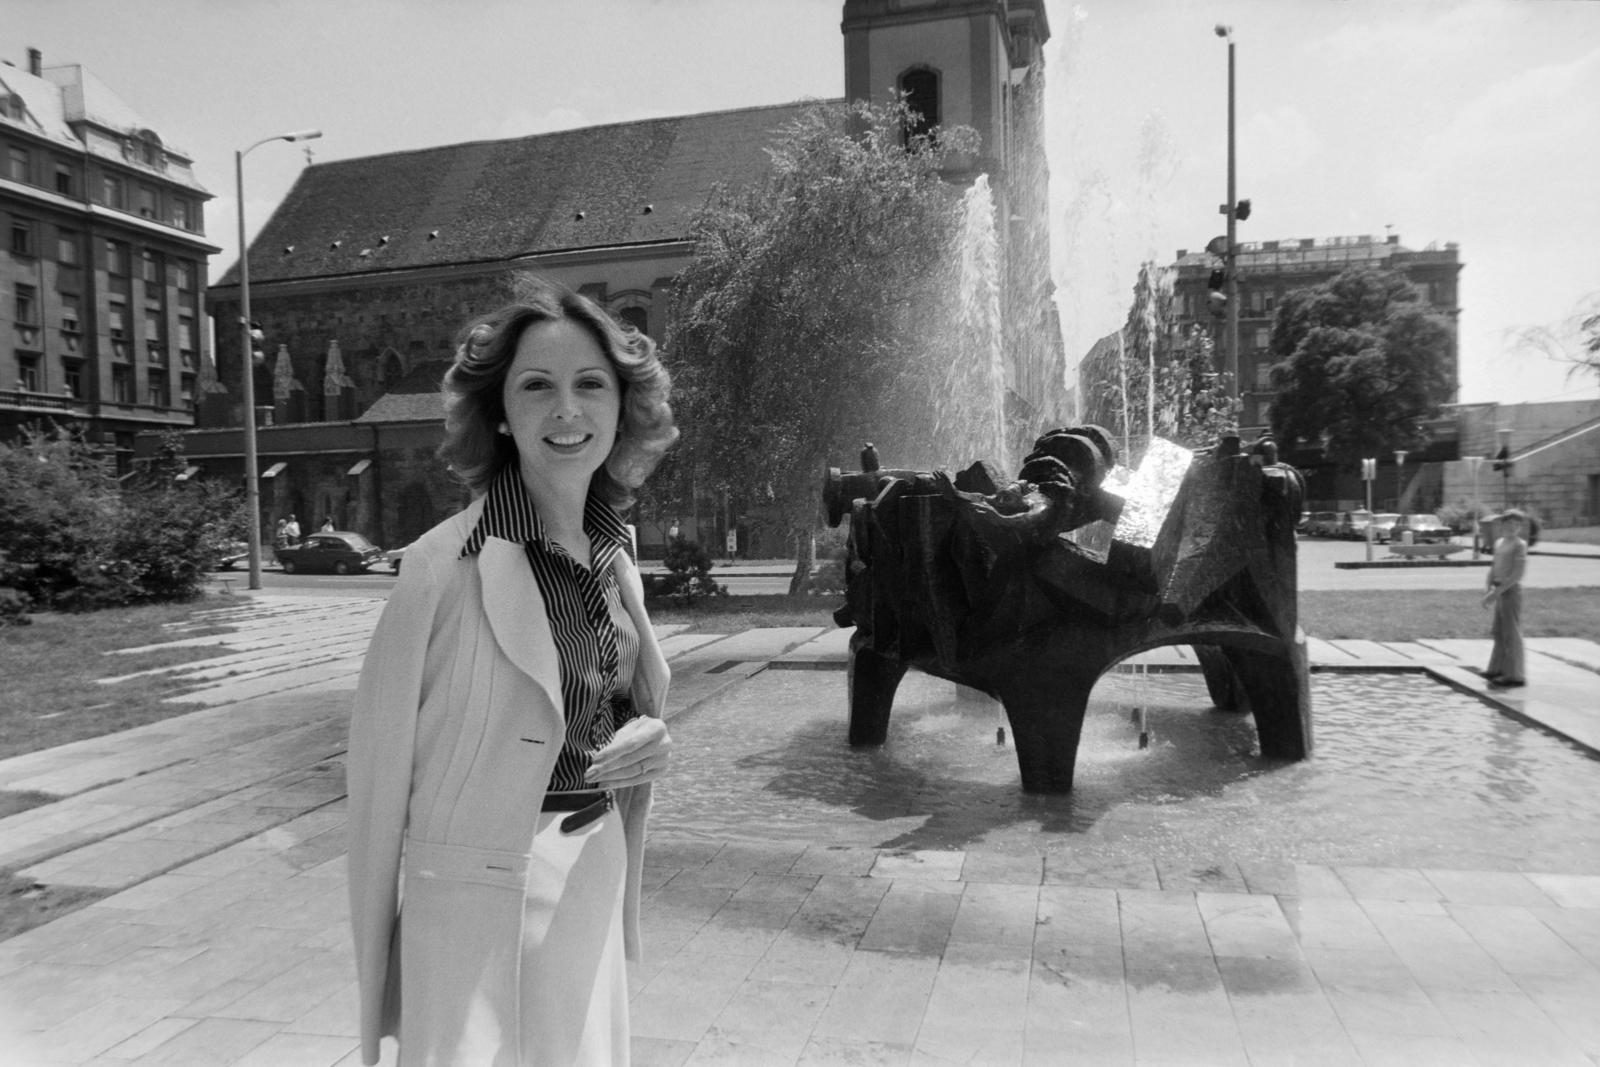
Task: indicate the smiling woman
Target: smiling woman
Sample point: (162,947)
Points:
(507,726)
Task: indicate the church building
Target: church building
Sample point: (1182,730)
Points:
(369,266)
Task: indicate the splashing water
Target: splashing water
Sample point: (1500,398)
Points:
(971,411)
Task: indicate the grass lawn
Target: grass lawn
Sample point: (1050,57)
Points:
(733,614)
(1405,615)
(51,669)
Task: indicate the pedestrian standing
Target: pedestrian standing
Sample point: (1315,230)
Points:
(291,530)
(280,539)
(327,525)
(507,726)
(1506,667)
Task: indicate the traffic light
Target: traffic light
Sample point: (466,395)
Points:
(1218,299)
(258,342)
(1241,210)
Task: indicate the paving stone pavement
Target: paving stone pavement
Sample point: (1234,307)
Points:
(221,833)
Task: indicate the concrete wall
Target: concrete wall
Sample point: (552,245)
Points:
(1556,483)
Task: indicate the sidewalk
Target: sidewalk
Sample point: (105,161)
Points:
(220,835)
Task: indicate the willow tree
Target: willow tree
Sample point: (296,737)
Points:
(816,311)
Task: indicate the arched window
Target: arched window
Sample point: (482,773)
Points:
(921,88)
(636,317)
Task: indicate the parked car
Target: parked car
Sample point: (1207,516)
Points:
(1383,526)
(1353,524)
(394,556)
(340,552)
(1425,529)
(1322,524)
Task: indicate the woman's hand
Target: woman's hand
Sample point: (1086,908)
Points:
(638,753)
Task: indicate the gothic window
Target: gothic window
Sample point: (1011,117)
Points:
(389,368)
(921,89)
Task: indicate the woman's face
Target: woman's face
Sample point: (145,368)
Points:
(562,401)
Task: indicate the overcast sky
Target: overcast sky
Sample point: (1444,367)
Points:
(1476,122)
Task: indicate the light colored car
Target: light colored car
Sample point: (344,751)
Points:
(1425,529)
(1353,524)
(1383,526)
(395,555)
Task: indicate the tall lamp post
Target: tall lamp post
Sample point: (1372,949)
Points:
(252,481)
(1473,464)
(1400,455)
(1230,329)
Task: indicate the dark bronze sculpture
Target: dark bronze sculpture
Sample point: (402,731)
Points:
(1022,590)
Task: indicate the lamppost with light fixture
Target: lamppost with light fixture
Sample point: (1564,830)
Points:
(252,482)
(1230,255)
(1503,465)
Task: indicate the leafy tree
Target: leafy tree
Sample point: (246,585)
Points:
(1360,364)
(818,313)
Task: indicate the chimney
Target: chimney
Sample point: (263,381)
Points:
(1394,238)
(35,62)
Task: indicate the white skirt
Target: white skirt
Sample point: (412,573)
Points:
(574,972)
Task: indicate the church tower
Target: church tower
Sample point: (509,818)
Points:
(980,63)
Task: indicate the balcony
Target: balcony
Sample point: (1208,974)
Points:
(29,401)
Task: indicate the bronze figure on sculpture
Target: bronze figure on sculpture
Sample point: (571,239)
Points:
(1030,590)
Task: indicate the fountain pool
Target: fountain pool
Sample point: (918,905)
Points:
(1407,772)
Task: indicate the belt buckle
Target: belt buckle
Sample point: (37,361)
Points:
(583,817)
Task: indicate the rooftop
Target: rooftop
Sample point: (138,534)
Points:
(624,184)
(1315,251)
(61,101)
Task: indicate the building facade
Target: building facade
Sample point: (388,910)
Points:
(365,272)
(1269,269)
(103,274)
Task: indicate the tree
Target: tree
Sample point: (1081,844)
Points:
(823,308)
(1360,365)
(71,537)
(1189,403)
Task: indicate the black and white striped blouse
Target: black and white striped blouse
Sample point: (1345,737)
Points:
(594,636)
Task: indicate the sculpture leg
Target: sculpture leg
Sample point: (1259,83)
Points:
(1220,680)
(1278,689)
(1046,722)
(872,680)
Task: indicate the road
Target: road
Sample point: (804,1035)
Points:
(1317,571)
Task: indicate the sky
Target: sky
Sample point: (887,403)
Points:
(1472,121)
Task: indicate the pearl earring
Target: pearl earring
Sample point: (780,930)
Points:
(505,429)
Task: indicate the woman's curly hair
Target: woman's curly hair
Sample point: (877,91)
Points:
(474,390)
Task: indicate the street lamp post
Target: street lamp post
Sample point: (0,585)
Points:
(1399,476)
(1473,464)
(1230,329)
(252,481)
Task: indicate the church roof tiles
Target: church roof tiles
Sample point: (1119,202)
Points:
(499,200)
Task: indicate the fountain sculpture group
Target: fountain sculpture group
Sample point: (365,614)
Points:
(1029,590)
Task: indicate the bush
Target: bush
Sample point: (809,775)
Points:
(73,539)
(689,573)
(1459,516)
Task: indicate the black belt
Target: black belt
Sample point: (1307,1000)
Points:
(586,807)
